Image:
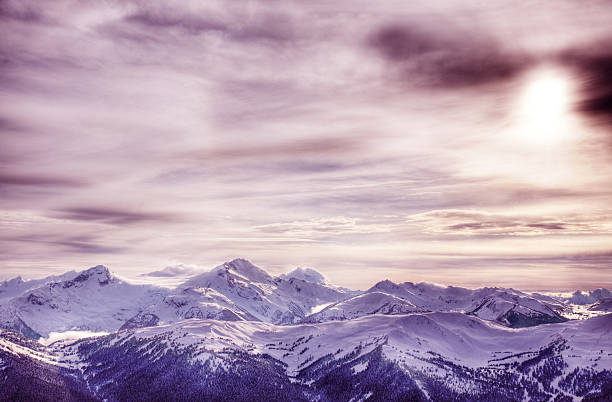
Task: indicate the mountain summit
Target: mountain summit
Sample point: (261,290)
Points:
(306,274)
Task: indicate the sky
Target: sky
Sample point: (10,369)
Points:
(456,142)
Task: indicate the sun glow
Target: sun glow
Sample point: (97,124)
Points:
(544,111)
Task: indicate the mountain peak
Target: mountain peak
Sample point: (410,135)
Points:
(12,282)
(247,269)
(306,274)
(385,285)
(99,272)
(600,293)
(582,298)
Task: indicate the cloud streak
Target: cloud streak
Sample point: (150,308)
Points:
(481,223)
(113,216)
(39,181)
(424,57)
(337,225)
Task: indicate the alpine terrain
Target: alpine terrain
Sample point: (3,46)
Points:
(238,333)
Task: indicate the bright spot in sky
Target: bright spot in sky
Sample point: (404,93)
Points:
(546,96)
(544,106)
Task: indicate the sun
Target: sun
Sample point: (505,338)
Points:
(544,106)
(546,96)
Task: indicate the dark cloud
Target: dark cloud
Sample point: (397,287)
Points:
(10,126)
(113,215)
(19,11)
(82,244)
(400,43)
(88,248)
(13,179)
(593,64)
(472,222)
(260,27)
(189,23)
(284,150)
(547,226)
(454,59)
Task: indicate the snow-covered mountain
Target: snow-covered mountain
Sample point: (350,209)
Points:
(421,357)
(505,306)
(364,304)
(92,300)
(604,305)
(238,333)
(582,298)
(96,300)
(306,274)
(239,290)
(16,286)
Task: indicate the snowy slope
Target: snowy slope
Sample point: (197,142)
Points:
(364,304)
(432,356)
(467,340)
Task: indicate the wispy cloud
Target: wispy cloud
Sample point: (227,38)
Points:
(114,216)
(336,225)
(39,181)
(175,270)
(474,222)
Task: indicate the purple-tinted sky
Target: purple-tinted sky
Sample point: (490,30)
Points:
(462,142)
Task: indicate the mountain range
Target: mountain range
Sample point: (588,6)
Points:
(238,333)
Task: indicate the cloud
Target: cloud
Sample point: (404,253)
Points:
(315,147)
(175,270)
(259,26)
(72,244)
(19,11)
(593,65)
(431,56)
(476,223)
(10,126)
(113,216)
(331,226)
(7,179)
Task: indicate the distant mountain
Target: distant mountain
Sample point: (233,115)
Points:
(602,305)
(16,286)
(505,306)
(583,298)
(364,304)
(306,274)
(171,271)
(416,357)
